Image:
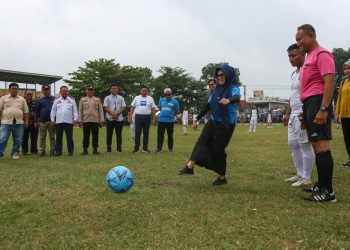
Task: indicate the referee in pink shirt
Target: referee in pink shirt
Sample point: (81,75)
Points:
(316,91)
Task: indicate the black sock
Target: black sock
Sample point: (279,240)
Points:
(324,164)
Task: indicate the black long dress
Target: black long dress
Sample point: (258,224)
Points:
(209,151)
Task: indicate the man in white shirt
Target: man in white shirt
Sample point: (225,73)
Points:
(253,120)
(64,114)
(144,107)
(185,120)
(132,125)
(269,119)
(302,152)
(114,106)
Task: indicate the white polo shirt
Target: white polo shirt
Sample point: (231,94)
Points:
(64,110)
(143,105)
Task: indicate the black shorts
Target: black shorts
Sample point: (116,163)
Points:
(315,132)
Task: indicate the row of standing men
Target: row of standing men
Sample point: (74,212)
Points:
(27,118)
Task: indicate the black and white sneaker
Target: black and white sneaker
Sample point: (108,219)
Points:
(321,196)
(186,171)
(346,164)
(315,188)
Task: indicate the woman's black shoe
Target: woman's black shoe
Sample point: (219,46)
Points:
(186,170)
(219,182)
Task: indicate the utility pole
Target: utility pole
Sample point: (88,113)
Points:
(245,92)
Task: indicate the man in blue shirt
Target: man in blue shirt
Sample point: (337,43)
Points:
(43,109)
(169,107)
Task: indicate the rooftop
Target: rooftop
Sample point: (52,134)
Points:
(25,77)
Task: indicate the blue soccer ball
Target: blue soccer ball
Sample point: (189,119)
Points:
(120,179)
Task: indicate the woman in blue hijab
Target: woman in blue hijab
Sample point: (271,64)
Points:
(209,151)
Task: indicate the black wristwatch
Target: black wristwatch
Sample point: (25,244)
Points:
(324,108)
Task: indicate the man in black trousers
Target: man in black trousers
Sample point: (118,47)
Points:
(90,119)
(32,130)
(114,106)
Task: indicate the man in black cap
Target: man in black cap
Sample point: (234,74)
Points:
(44,105)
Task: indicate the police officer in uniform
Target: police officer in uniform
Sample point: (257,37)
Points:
(90,119)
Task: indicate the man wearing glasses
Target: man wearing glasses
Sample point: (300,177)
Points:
(114,106)
(90,118)
(169,107)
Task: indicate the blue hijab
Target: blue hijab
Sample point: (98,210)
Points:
(220,111)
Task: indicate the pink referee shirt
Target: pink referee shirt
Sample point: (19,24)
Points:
(318,63)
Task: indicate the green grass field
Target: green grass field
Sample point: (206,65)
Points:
(63,202)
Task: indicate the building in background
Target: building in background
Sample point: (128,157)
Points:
(30,80)
(263,103)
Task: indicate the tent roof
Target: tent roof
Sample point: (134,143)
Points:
(24,77)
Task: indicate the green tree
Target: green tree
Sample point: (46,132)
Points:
(186,89)
(102,72)
(194,95)
(130,78)
(99,73)
(340,57)
(208,72)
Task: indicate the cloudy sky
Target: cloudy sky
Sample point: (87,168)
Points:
(58,36)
